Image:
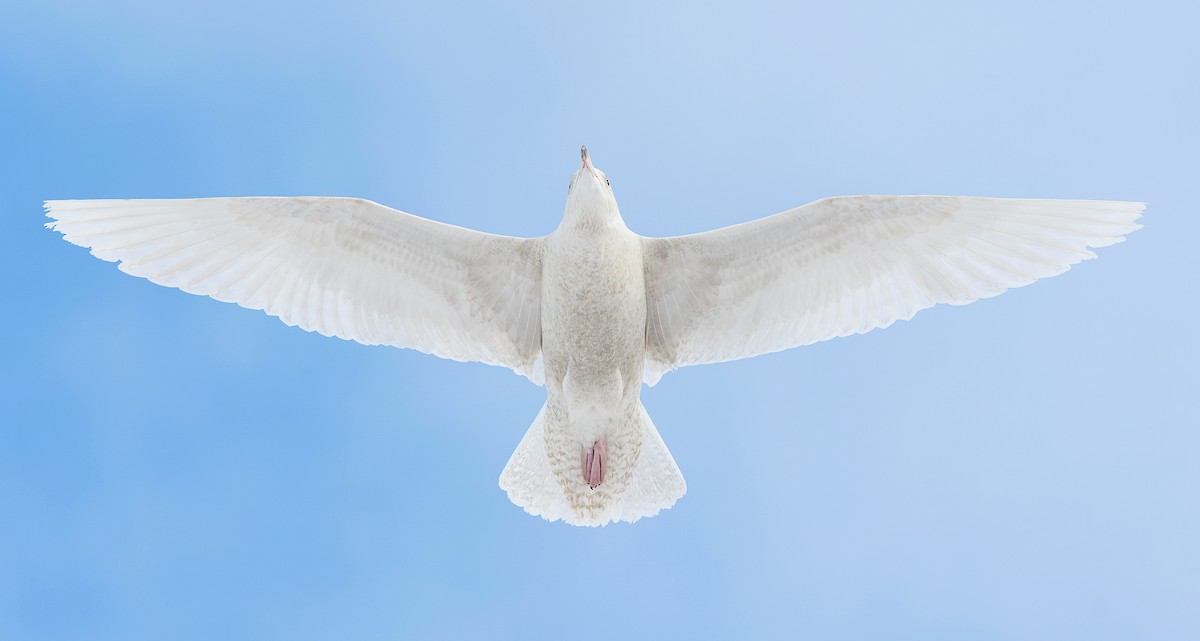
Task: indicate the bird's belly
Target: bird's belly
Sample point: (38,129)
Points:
(593,333)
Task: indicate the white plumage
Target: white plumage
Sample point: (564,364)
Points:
(593,310)
(341,267)
(850,264)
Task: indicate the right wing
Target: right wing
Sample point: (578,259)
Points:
(341,267)
(847,265)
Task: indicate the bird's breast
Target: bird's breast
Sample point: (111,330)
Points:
(594,310)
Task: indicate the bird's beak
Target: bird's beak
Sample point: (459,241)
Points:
(584,161)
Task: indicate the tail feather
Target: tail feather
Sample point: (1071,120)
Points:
(657,482)
(530,481)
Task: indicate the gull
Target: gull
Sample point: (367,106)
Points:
(592,311)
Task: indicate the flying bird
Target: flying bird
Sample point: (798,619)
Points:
(593,310)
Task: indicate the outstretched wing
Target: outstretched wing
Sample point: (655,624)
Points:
(341,267)
(847,265)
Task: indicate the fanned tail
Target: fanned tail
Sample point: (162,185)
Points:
(530,481)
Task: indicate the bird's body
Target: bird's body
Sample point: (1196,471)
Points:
(593,344)
(593,310)
(593,319)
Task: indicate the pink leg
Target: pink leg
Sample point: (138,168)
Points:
(594,461)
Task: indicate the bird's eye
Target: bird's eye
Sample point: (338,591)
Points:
(608,182)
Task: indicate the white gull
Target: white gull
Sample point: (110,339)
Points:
(593,310)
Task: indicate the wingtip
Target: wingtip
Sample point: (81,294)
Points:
(1137,210)
(48,212)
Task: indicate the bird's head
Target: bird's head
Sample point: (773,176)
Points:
(590,188)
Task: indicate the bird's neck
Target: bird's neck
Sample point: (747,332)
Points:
(594,216)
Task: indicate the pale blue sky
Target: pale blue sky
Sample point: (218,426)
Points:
(1021,468)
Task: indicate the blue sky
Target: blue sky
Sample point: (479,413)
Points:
(1021,468)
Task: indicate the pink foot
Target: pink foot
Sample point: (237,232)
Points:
(594,461)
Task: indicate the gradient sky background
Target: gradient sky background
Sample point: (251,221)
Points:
(1022,468)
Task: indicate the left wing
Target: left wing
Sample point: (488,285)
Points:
(847,265)
(342,267)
